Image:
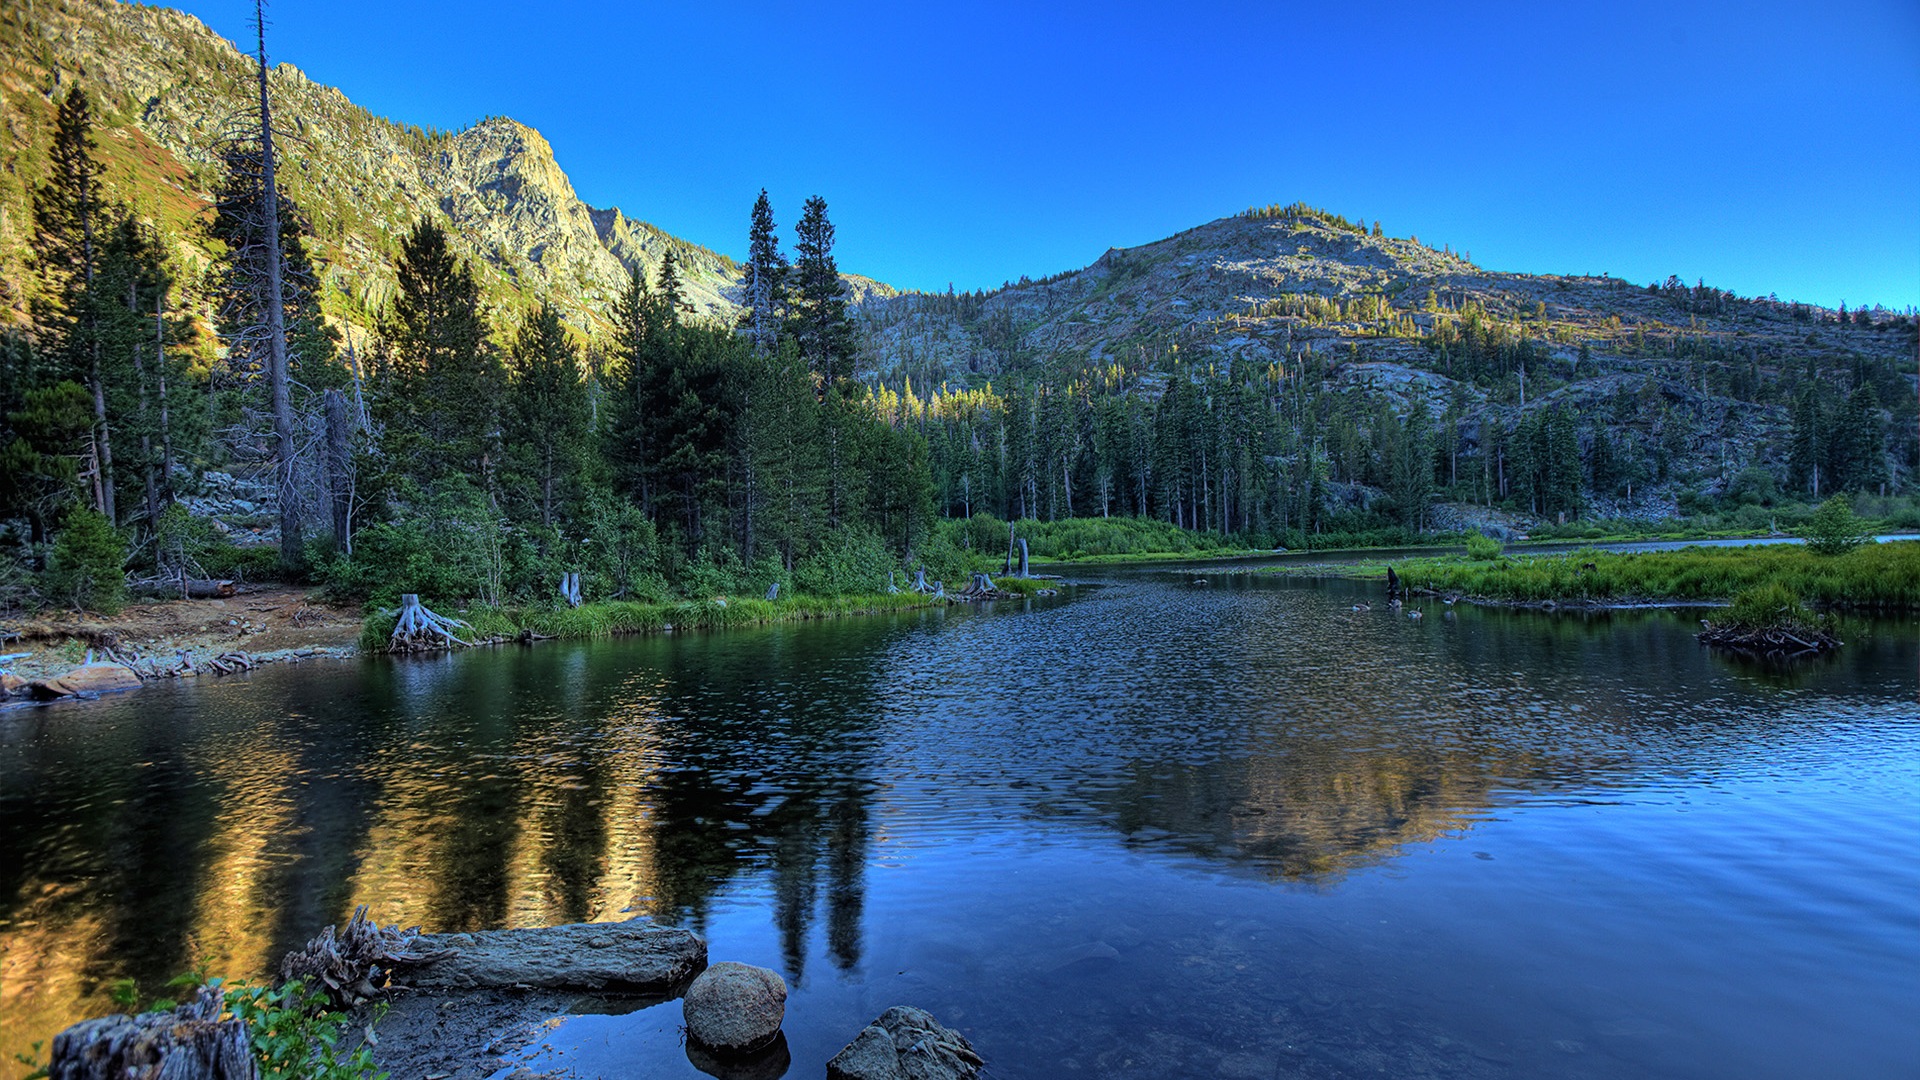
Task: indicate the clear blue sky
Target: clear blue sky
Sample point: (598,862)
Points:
(1767,147)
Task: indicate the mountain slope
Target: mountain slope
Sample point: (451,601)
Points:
(170,91)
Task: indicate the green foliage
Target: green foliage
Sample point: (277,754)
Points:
(1876,576)
(296,1037)
(1833,529)
(1767,606)
(1483,548)
(849,561)
(88,565)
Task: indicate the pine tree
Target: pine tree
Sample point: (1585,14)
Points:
(764,279)
(1810,443)
(438,389)
(545,414)
(640,332)
(820,322)
(71,219)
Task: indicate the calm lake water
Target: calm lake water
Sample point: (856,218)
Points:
(1148,829)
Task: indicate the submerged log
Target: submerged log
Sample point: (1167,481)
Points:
(1775,641)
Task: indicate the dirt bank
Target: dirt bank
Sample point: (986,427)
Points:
(265,623)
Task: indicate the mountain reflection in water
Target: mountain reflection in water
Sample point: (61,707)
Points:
(1254,731)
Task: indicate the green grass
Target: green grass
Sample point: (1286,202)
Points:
(611,617)
(1885,576)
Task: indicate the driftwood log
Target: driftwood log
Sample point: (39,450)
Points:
(190,1042)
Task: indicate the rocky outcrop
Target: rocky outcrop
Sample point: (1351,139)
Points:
(905,1043)
(631,956)
(735,1009)
(85,680)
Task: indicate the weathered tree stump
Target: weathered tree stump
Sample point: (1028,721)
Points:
(419,630)
(570,589)
(190,1042)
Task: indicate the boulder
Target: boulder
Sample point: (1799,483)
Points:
(734,1009)
(906,1043)
(95,678)
(631,956)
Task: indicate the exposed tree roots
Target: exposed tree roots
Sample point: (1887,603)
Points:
(420,630)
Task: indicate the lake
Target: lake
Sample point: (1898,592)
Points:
(1146,829)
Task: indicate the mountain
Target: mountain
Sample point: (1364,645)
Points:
(1290,289)
(169,91)
(1280,289)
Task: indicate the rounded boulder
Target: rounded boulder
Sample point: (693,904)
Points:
(734,1009)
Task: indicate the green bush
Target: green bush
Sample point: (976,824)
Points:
(1482,547)
(1833,529)
(88,567)
(849,561)
(296,1037)
(1770,606)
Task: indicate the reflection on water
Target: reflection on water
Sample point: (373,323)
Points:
(1155,829)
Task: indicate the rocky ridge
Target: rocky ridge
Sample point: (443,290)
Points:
(170,91)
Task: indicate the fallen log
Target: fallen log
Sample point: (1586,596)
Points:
(633,956)
(189,588)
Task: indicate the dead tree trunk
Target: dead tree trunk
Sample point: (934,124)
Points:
(570,588)
(283,448)
(1008,569)
(340,470)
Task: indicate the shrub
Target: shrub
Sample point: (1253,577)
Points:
(849,561)
(295,1036)
(88,568)
(1833,529)
(1482,547)
(1771,606)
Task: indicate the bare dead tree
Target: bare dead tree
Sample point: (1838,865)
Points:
(276,316)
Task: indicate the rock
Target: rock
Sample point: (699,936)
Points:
(906,1043)
(629,956)
(734,1009)
(96,678)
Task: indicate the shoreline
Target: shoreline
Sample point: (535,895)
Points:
(166,639)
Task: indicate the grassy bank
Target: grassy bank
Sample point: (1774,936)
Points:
(1885,576)
(609,617)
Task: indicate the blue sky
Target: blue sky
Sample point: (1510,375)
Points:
(1764,147)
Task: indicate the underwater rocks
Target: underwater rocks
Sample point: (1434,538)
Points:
(905,1043)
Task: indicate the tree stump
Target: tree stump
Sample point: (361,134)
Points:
(420,630)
